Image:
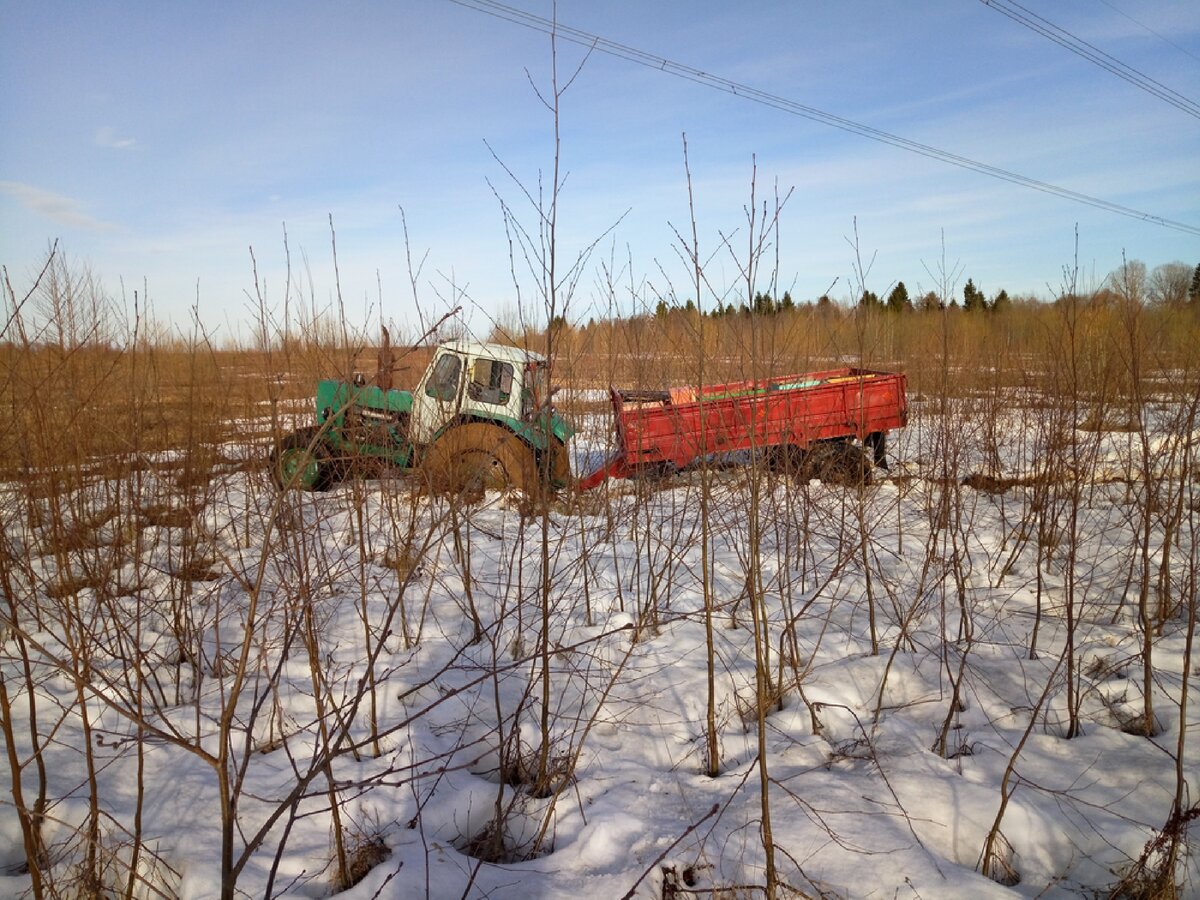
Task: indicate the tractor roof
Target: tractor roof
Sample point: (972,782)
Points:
(504,352)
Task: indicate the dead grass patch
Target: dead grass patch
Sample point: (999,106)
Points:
(198,568)
(167,516)
(403,560)
(72,585)
(1124,421)
(364,854)
(70,539)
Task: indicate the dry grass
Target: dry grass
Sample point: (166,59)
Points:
(363,853)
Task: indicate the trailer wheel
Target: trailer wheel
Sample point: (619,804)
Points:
(789,460)
(470,459)
(837,462)
(876,443)
(655,470)
(299,462)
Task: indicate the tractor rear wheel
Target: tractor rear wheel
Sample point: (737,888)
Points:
(470,459)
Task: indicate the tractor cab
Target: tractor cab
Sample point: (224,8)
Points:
(476,382)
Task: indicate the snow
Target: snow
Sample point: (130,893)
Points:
(860,803)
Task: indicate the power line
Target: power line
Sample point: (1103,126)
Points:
(1080,47)
(662,64)
(1161,37)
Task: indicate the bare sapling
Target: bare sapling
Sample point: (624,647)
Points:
(690,249)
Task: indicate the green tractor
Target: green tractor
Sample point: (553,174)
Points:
(480,418)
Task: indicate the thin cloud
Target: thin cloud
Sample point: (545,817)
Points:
(106,137)
(56,207)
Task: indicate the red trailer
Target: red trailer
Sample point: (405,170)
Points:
(802,423)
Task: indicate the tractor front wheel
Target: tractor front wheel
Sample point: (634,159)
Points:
(301,460)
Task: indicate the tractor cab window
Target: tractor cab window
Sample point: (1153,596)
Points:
(443,383)
(491,381)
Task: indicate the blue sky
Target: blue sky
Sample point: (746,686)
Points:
(160,142)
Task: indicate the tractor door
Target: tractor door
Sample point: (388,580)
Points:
(439,397)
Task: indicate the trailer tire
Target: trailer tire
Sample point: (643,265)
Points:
(876,444)
(302,461)
(837,462)
(470,459)
(788,460)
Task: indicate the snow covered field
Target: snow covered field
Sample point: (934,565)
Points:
(505,705)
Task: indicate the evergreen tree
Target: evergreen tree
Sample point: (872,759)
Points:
(898,300)
(1194,290)
(787,303)
(661,310)
(1000,301)
(973,298)
(870,300)
(763,304)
